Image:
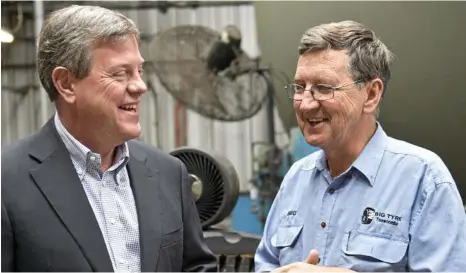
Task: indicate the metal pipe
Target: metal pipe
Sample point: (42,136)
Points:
(158,132)
(270,105)
(140,5)
(27,39)
(39,20)
(18,66)
(165,5)
(19,89)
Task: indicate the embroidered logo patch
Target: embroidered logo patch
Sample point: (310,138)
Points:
(369,214)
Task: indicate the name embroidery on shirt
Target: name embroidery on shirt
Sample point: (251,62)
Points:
(291,213)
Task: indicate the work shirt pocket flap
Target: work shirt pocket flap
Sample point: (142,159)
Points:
(378,246)
(286,235)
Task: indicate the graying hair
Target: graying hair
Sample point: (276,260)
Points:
(368,56)
(69,36)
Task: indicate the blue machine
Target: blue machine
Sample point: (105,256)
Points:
(299,148)
(252,207)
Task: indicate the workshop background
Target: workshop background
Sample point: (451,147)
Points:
(424,103)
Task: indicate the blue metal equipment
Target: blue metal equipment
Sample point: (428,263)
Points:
(270,166)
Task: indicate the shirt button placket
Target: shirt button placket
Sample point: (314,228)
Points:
(328,201)
(111,217)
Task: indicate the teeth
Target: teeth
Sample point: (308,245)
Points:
(128,107)
(316,120)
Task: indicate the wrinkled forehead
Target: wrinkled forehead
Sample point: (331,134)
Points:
(322,63)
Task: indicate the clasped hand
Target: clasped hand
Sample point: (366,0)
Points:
(309,265)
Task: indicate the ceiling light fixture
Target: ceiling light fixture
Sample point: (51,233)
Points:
(6,36)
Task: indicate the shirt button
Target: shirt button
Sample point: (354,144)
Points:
(323,224)
(331,191)
(92,157)
(112,220)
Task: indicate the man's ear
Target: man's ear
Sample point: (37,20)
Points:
(374,95)
(62,80)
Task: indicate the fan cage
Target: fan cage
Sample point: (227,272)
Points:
(178,57)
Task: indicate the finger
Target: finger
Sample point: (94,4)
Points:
(313,257)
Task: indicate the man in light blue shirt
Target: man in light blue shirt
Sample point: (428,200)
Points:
(366,201)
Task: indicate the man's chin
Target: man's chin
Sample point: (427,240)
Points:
(316,141)
(131,131)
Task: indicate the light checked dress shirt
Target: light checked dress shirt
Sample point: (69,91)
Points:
(111,198)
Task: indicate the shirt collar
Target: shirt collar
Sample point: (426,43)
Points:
(370,158)
(368,162)
(80,154)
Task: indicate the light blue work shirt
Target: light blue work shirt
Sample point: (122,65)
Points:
(397,208)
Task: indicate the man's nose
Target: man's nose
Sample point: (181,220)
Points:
(308,102)
(137,86)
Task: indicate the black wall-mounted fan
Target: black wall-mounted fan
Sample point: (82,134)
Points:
(208,71)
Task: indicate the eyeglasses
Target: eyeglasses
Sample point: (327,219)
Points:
(318,91)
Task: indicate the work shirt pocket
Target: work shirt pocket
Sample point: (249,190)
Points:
(362,251)
(286,241)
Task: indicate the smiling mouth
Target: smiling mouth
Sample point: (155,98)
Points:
(316,121)
(129,108)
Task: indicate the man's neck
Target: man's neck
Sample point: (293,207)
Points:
(89,138)
(340,158)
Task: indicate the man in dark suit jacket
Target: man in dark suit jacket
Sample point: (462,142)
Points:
(81,194)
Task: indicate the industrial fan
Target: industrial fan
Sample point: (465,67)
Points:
(214,183)
(209,72)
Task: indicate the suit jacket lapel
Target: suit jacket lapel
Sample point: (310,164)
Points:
(147,195)
(57,179)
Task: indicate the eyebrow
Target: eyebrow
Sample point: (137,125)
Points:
(126,65)
(317,79)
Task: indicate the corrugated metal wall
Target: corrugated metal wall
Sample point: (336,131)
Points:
(20,110)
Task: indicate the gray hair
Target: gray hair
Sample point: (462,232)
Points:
(368,56)
(69,36)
